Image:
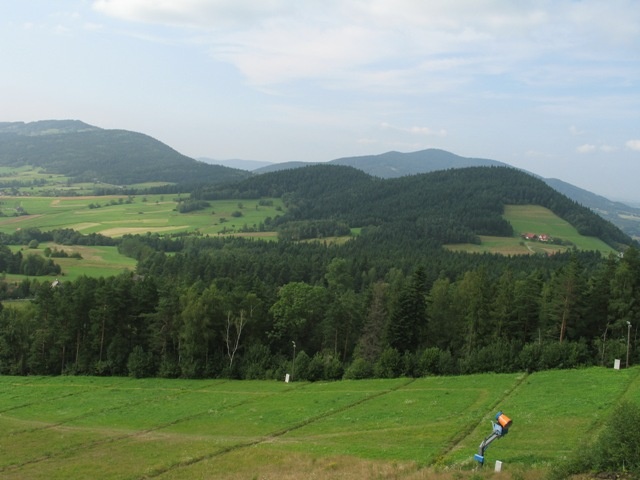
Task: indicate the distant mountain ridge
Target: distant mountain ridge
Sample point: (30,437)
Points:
(249,165)
(87,153)
(120,157)
(397,164)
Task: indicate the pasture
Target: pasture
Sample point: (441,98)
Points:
(114,428)
(537,220)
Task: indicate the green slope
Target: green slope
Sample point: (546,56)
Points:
(64,427)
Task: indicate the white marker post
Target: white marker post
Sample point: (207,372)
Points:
(498,466)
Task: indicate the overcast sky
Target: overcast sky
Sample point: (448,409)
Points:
(552,86)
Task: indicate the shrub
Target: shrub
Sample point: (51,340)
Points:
(333,369)
(427,362)
(301,366)
(359,370)
(389,365)
(139,363)
(618,447)
(446,363)
(315,370)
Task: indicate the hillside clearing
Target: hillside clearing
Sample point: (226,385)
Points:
(538,221)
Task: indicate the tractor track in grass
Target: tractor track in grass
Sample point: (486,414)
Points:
(69,451)
(599,423)
(82,446)
(50,425)
(462,434)
(274,435)
(49,399)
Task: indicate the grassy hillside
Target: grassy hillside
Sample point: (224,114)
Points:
(537,220)
(72,427)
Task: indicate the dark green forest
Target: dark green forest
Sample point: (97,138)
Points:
(388,302)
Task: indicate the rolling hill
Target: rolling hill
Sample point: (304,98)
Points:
(87,153)
(398,164)
(445,206)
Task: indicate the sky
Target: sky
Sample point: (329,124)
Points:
(550,86)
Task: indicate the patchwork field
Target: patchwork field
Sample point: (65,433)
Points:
(116,216)
(113,428)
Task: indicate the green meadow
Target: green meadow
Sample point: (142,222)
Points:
(538,220)
(115,216)
(114,428)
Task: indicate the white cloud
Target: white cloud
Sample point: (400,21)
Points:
(278,41)
(608,148)
(575,130)
(192,13)
(633,145)
(586,148)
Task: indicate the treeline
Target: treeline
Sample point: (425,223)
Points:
(29,264)
(61,236)
(234,308)
(318,229)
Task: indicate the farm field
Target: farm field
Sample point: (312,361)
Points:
(34,181)
(115,216)
(537,220)
(113,428)
(95,262)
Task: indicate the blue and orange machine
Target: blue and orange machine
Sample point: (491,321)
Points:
(500,429)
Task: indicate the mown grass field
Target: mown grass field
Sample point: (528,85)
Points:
(538,220)
(115,428)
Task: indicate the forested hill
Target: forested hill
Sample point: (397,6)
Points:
(87,153)
(447,206)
